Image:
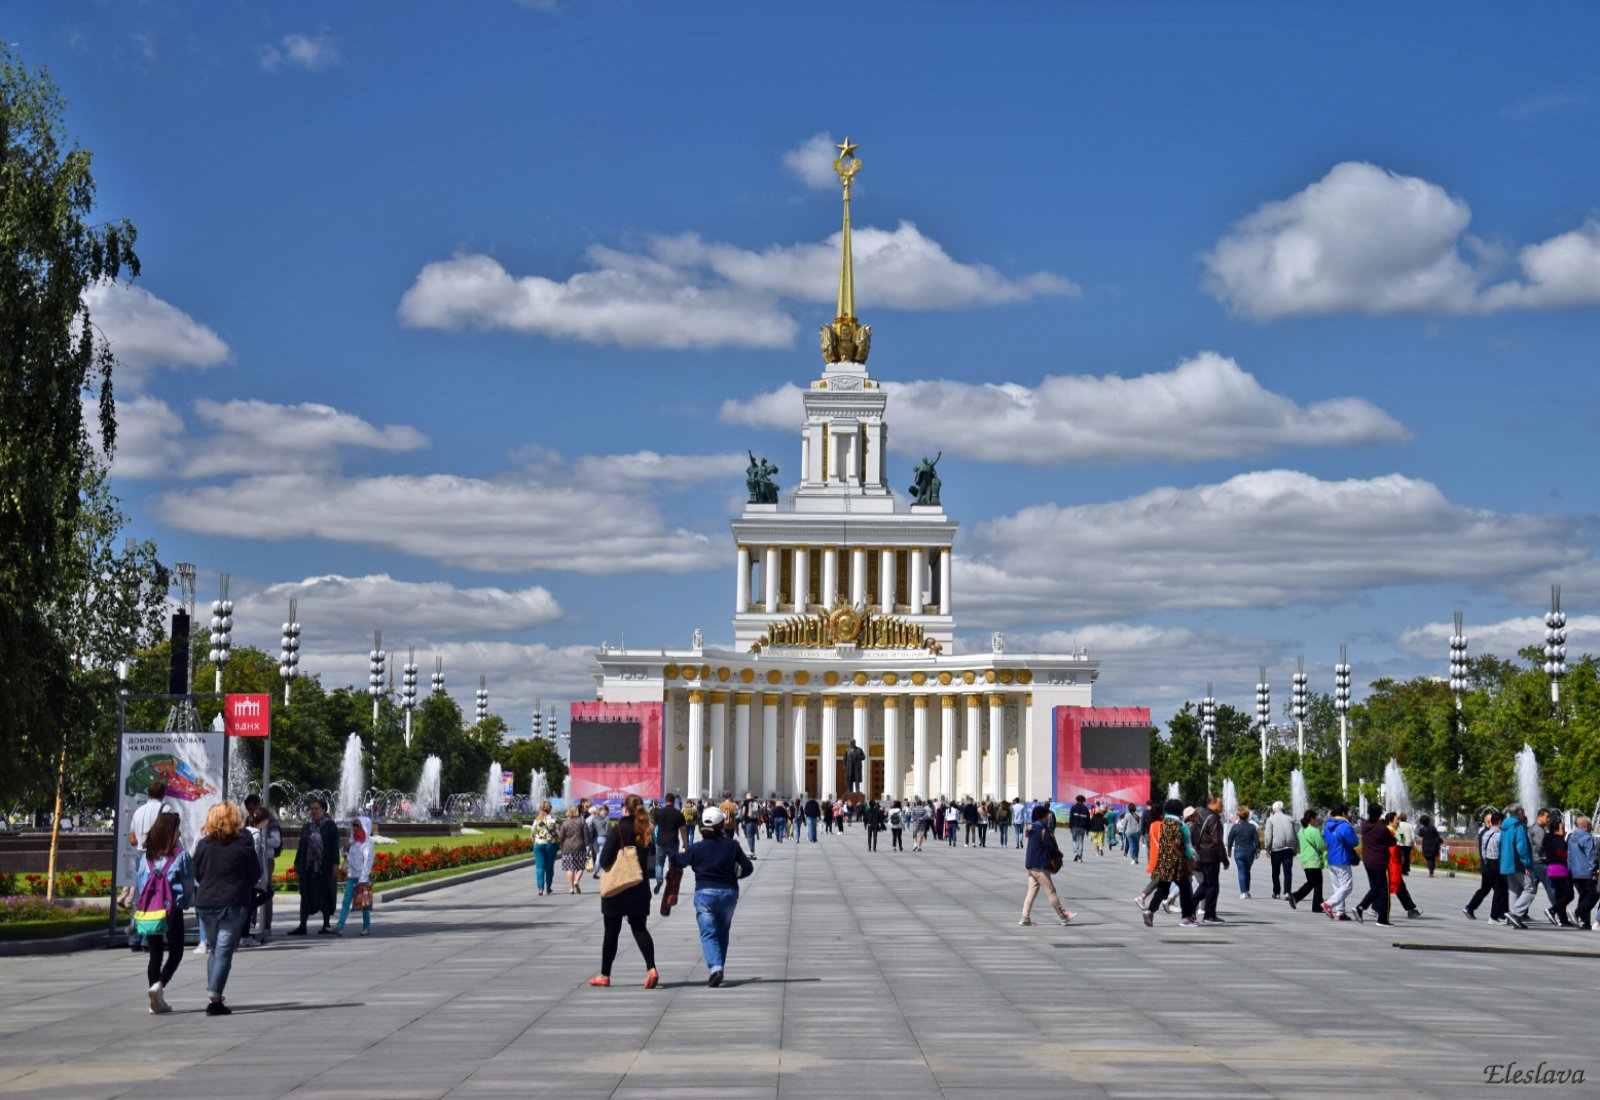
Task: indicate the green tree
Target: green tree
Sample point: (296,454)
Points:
(535,754)
(50,254)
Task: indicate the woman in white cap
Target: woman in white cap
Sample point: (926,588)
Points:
(719,863)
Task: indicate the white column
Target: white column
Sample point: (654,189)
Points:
(1026,766)
(915,582)
(945,602)
(694,785)
(830,577)
(797,741)
(919,746)
(718,739)
(830,747)
(860,733)
(997,746)
(769,744)
(947,746)
(741,598)
(858,576)
(770,575)
(802,579)
(891,748)
(669,743)
(974,777)
(886,580)
(739,781)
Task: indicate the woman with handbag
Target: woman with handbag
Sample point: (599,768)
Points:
(163,889)
(1042,861)
(546,843)
(624,892)
(574,848)
(358,875)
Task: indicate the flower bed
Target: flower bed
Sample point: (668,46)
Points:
(18,908)
(389,866)
(69,884)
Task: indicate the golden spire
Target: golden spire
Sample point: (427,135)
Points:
(845,340)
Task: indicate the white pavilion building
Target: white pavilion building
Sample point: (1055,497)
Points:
(843,628)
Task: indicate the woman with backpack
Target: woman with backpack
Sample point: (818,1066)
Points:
(163,888)
(897,826)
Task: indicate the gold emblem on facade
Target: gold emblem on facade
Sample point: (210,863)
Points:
(845,624)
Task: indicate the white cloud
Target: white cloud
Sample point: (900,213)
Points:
(682,292)
(509,525)
(1561,272)
(811,162)
(1366,240)
(304,51)
(1266,539)
(340,610)
(648,467)
(1503,638)
(1205,408)
(146,332)
(153,440)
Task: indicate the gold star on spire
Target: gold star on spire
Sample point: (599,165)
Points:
(847,149)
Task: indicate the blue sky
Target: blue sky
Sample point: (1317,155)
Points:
(1247,330)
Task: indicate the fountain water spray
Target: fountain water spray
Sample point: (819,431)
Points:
(1396,793)
(1299,800)
(352,778)
(1528,792)
(538,790)
(491,792)
(1230,803)
(1172,791)
(426,798)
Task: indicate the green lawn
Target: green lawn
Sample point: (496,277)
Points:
(68,924)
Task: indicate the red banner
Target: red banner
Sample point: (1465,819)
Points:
(247,715)
(1115,738)
(617,750)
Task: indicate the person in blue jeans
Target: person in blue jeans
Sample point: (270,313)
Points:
(227,867)
(718,863)
(813,811)
(1244,841)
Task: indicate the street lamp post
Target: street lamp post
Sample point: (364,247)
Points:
(438,675)
(1341,703)
(1208,728)
(221,629)
(1555,644)
(1302,707)
(376,663)
(483,697)
(1263,715)
(289,654)
(408,689)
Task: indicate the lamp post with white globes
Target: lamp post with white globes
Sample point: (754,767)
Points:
(1208,728)
(221,629)
(289,654)
(408,689)
(1263,715)
(1555,644)
(376,663)
(483,697)
(1341,703)
(1302,708)
(438,675)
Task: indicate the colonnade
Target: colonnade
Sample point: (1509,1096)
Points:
(888,579)
(971,729)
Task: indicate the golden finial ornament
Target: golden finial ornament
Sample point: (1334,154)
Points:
(846,341)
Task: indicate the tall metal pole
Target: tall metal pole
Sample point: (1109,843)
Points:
(1208,726)
(1263,715)
(1555,645)
(1302,693)
(1341,703)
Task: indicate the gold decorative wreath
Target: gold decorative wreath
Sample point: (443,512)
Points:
(844,624)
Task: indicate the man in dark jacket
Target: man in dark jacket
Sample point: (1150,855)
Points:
(1210,857)
(1078,821)
(1376,840)
(813,811)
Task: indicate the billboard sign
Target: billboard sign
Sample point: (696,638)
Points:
(247,715)
(1101,753)
(192,765)
(617,750)
(506,780)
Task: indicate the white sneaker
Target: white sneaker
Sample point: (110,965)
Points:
(1139,901)
(201,949)
(155,1000)
(249,941)
(1245,896)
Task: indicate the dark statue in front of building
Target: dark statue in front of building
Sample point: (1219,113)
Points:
(854,759)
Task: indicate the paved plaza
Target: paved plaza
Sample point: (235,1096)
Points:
(850,973)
